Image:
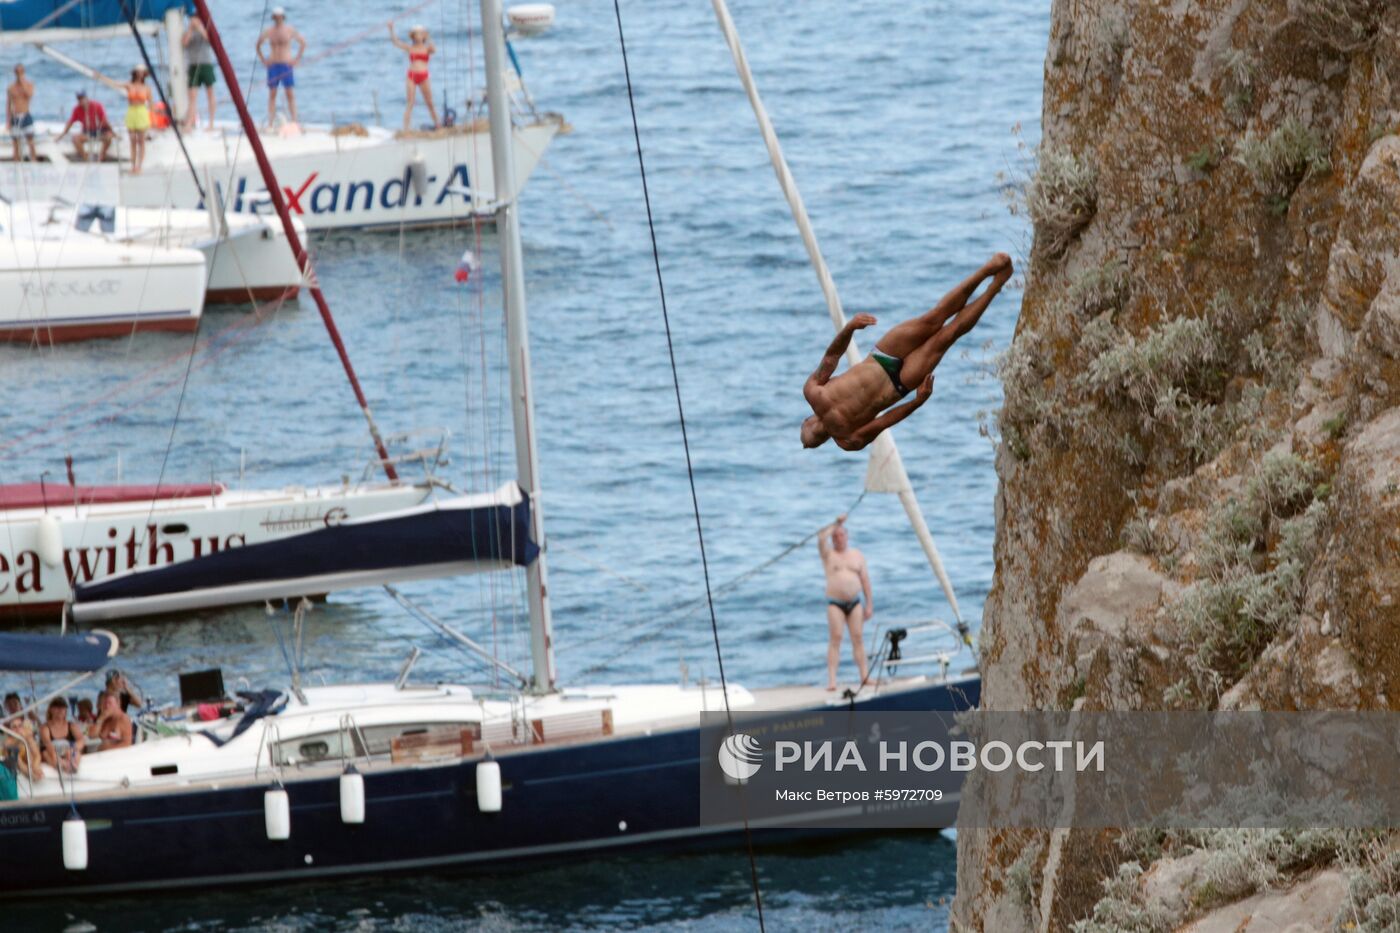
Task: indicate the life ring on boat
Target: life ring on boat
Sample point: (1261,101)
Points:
(160,116)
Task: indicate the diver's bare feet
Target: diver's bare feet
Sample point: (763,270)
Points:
(830,688)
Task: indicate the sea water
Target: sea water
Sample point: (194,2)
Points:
(900,122)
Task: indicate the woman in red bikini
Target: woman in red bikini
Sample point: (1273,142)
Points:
(419,48)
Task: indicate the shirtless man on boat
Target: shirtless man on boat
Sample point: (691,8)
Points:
(18,119)
(848,407)
(847,580)
(281,63)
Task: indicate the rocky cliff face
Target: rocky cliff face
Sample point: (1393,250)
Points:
(1200,447)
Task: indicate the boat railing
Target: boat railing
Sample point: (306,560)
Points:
(271,739)
(947,644)
(431,456)
(350,732)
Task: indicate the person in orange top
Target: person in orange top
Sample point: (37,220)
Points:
(138,116)
(419,48)
(138,111)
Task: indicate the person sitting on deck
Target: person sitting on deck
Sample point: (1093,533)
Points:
(86,716)
(419,48)
(113,726)
(18,740)
(13,704)
(92,117)
(848,407)
(847,578)
(61,741)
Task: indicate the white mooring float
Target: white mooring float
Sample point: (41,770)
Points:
(352,796)
(49,539)
(277,814)
(531,19)
(75,848)
(488,785)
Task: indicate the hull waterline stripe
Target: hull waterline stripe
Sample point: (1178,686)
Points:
(442,861)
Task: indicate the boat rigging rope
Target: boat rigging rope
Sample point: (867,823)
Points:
(685,439)
(130,15)
(685,609)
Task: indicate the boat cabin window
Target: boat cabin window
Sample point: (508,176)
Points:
(377,741)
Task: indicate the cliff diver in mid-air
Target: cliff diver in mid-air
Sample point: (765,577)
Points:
(848,407)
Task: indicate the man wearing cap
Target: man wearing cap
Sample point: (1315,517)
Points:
(17,116)
(92,117)
(280,63)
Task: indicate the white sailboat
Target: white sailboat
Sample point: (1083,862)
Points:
(333,176)
(247,259)
(308,782)
(55,537)
(61,283)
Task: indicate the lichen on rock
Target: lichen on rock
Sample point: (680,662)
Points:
(1199,449)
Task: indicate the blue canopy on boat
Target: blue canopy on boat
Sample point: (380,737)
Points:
(17,15)
(86,652)
(466,534)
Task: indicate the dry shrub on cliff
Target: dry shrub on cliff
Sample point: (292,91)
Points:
(1342,25)
(1254,556)
(1168,359)
(1101,289)
(1373,891)
(1238,68)
(1239,862)
(1122,908)
(1281,161)
(1061,198)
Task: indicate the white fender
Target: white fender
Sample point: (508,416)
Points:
(488,786)
(277,814)
(50,540)
(75,849)
(352,796)
(531,19)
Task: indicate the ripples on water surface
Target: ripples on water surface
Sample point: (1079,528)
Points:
(897,120)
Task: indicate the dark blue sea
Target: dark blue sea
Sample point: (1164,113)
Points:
(903,124)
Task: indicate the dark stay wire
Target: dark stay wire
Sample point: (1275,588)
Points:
(685,438)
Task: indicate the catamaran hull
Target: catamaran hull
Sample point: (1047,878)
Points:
(97,540)
(54,292)
(570,802)
(248,258)
(349,181)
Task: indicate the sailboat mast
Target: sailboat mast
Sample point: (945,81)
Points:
(274,191)
(517,339)
(885,462)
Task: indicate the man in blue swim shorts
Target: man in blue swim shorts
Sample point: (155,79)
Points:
(17,116)
(280,62)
